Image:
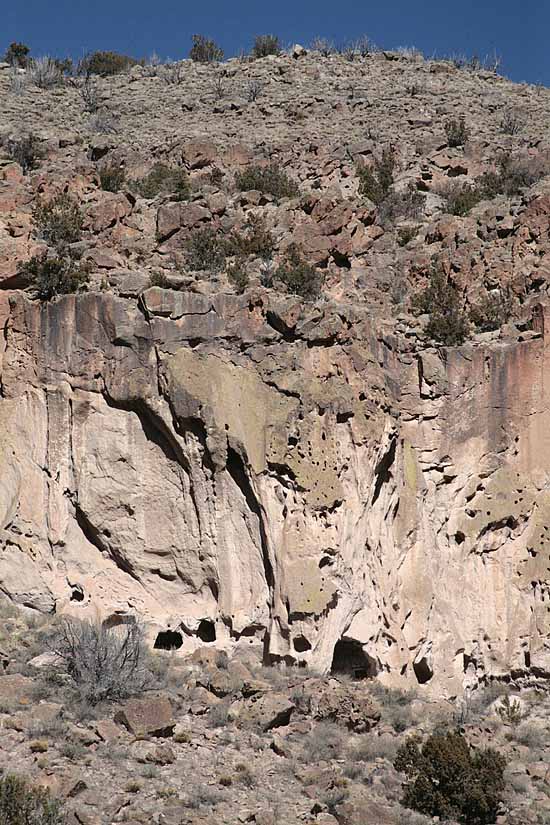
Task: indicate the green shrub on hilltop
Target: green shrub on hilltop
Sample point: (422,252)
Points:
(106,63)
(17,54)
(205,50)
(265,45)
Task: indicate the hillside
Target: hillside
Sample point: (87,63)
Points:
(282,392)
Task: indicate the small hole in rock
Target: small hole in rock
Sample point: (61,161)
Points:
(77,594)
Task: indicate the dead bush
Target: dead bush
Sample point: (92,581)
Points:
(104,663)
(45,72)
(323,743)
(371,747)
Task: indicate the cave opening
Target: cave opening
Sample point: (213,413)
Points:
(206,631)
(168,640)
(77,594)
(301,644)
(350,658)
(422,670)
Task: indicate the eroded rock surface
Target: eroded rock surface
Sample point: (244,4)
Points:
(322,499)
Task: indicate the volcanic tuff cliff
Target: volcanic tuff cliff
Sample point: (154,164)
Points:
(315,479)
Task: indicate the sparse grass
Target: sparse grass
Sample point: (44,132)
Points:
(323,743)
(133,786)
(270,180)
(371,747)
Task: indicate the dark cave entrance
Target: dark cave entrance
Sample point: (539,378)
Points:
(350,658)
(206,631)
(168,640)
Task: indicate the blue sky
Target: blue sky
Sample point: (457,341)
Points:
(518,31)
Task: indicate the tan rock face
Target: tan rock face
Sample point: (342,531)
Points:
(325,498)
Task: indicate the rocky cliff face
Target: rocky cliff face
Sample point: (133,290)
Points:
(317,481)
(306,490)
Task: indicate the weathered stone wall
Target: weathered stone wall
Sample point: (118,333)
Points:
(293,476)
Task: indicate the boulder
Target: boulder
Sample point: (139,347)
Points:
(151,716)
(270,710)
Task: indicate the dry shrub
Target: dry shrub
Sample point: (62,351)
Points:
(104,663)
